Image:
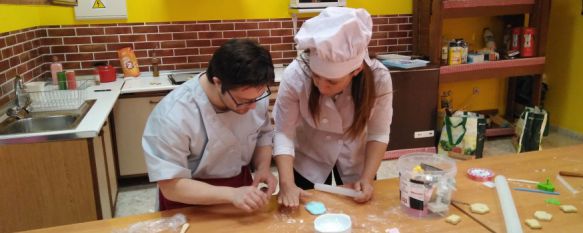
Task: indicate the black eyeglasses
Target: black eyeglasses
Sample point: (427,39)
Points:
(263,96)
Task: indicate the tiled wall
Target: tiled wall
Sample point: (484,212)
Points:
(179,45)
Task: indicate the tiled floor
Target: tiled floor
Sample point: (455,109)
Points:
(142,198)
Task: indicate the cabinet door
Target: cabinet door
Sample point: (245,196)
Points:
(46,184)
(130,116)
(102,177)
(414,107)
(110,162)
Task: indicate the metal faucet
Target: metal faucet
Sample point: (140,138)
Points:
(22,100)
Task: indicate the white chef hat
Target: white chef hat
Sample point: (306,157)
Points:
(338,40)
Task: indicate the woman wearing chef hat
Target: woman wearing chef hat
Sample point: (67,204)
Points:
(334,108)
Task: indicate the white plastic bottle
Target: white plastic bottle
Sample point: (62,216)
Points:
(56,67)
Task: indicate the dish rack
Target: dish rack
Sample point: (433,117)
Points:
(50,98)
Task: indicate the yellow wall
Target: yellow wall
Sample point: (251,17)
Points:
(13,17)
(564,66)
(492,92)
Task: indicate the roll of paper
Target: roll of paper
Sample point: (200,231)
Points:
(511,218)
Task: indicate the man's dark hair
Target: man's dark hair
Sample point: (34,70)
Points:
(241,62)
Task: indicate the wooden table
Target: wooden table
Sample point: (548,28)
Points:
(384,212)
(536,166)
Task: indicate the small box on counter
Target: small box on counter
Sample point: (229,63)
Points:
(475,58)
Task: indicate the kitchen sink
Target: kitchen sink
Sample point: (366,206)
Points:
(37,122)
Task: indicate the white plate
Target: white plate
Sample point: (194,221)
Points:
(393,57)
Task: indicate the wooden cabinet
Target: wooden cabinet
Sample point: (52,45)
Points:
(414,107)
(131,114)
(428,20)
(55,183)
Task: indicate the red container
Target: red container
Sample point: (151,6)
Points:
(527,42)
(106,73)
(515,42)
(71,81)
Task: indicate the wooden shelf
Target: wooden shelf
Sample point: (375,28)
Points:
(478,8)
(493,69)
(498,132)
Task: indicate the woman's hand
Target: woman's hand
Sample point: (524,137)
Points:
(290,195)
(366,188)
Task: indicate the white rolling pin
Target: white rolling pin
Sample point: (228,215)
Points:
(336,190)
(507,204)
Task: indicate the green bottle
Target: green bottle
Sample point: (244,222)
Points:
(62,80)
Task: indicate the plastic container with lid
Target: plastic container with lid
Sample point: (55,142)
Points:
(427,182)
(106,73)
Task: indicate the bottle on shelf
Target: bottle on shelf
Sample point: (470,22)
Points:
(444,51)
(155,62)
(455,53)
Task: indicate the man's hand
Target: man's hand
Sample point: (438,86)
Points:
(265,176)
(249,198)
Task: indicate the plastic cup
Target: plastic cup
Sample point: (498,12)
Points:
(426,183)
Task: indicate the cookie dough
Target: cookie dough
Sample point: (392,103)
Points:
(543,216)
(453,219)
(315,207)
(568,208)
(263,187)
(533,223)
(479,208)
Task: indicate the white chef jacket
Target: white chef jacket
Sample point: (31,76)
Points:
(318,148)
(185,137)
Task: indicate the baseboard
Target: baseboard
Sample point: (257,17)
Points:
(567,132)
(395,154)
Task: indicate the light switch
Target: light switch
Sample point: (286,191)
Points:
(101,9)
(423,134)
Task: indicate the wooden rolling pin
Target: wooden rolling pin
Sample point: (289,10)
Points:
(573,174)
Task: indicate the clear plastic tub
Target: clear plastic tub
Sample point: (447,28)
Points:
(427,182)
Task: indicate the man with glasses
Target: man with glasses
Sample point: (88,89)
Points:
(202,139)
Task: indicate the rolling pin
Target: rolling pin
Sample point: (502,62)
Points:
(573,174)
(336,190)
(509,212)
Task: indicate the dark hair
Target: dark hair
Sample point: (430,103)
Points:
(241,62)
(363,97)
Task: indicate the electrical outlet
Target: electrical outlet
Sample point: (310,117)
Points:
(475,91)
(446,99)
(423,134)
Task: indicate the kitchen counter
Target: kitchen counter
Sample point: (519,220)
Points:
(90,125)
(147,83)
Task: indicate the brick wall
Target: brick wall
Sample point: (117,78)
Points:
(179,45)
(20,53)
